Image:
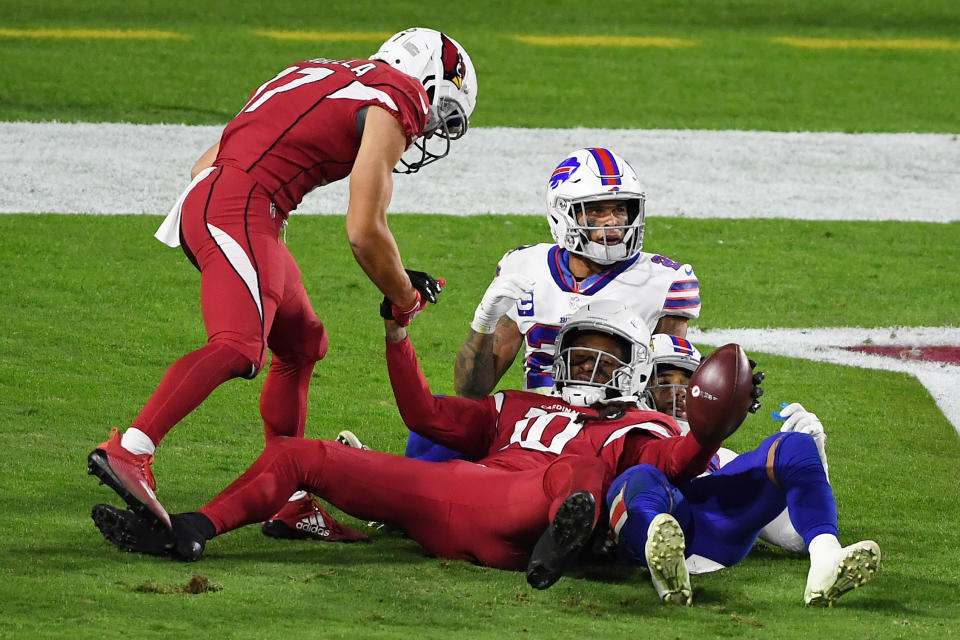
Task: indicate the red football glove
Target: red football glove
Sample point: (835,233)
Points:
(427,290)
(405,316)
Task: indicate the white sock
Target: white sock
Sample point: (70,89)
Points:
(137,442)
(823,546)
(298,495)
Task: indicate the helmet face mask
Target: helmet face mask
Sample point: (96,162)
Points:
(606,373)
(673,358)
(446,72)
(436,144)
(614,377)
(595,175)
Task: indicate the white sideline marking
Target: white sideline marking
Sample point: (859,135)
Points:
(130,168)
(824,345)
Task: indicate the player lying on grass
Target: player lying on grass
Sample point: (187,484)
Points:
(595,208)
(530,501)
(315,122)
(712,521)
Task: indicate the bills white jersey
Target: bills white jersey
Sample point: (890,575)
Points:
(651,285)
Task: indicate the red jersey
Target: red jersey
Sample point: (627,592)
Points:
(298,130)
(520,430)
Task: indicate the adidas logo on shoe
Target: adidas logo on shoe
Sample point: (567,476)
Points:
(316,528)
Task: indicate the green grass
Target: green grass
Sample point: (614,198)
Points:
(735,78)
(96,309)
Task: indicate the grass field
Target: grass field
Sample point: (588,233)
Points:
(95,310)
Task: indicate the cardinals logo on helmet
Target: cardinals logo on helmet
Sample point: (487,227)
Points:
(453,68)
(563,171)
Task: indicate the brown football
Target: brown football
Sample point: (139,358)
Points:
(719,394)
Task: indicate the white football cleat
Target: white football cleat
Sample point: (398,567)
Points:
(849,568)
(664,552)
(349,439)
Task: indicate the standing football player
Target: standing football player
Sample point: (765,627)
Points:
(713,521)
(315,122)
(531,501)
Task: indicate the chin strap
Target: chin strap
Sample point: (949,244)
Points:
(631,399)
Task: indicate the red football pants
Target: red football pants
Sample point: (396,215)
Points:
(252,299)
(455,509)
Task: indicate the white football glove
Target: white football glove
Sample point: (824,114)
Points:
(802,421)
(503,293)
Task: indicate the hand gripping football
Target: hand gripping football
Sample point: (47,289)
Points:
(722,390)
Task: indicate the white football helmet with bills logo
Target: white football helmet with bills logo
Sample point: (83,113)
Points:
(628,378)
(591,175)
(447,74)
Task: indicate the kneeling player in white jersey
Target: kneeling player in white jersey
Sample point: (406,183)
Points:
(595,207)
(712,521)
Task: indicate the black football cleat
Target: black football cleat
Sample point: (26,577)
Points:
(563,540)
(143,534)
(130,532)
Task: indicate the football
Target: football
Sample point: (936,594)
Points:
(720,394)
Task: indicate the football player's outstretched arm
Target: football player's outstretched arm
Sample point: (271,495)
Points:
(371,187)
(494,338)
(464,425)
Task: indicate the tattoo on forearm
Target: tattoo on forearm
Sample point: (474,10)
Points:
(475,372)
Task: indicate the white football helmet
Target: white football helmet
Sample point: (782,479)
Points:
(444,69)
(591,175)
(628,378)
(671,352)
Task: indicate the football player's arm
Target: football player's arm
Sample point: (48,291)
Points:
(371,187)
(673,325)
(681,458)
(206,160)
(484,358)
(461,424)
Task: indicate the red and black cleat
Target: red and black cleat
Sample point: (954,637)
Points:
(305,519)
(130,476)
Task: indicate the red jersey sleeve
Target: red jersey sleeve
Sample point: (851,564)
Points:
(680,458)
(465,425)
(408,95)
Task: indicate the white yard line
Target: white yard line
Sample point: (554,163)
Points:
(127,168)
(826,345)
